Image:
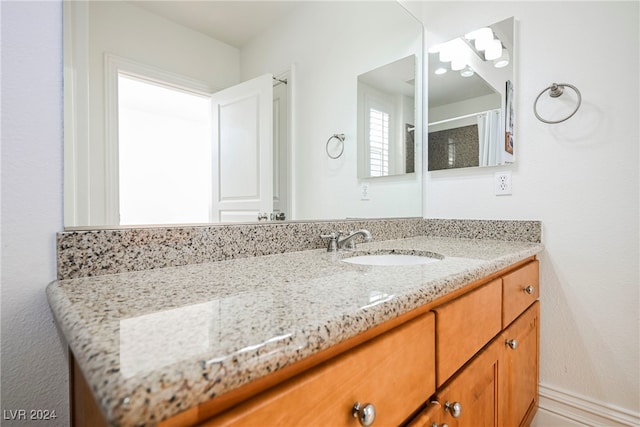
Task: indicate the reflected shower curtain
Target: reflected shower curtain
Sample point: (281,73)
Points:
(489,137)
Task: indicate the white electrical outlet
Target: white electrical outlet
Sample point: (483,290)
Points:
(502,183)
(364,191)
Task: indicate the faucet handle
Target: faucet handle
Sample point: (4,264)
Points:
(332,235)
(333,240)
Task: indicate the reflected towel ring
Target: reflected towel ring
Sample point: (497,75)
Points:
(556,90)
(339,137)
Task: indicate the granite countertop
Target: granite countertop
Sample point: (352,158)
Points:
(154,343)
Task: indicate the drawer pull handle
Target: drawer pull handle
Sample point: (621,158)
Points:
(529,290)
(365,414)
(512,343)
(455,408)
(441,425)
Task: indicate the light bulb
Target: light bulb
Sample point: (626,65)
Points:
(440,70)
(483,39)
(445,54)
(435,48)
(493,50)
(458,64)
(503,61)
(479,33)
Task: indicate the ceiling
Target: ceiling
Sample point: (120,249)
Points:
(451,87)
(232,22)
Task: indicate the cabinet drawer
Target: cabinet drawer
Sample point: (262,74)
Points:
(519,290)
(394,372)
(464,326)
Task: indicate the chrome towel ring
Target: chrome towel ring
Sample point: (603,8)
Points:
(556,90)
(339,137)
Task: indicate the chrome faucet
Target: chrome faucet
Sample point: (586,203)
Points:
(349,241)
(336,243)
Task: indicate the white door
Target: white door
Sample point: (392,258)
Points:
(243,151)
(281,150)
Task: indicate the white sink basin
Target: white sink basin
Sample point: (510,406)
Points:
(391,259)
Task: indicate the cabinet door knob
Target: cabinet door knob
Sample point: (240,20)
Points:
(529,290)
(365,414)
(455,408)
(512,343)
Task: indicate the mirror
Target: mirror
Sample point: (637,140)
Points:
(386,119)
(471,99)
(311,52)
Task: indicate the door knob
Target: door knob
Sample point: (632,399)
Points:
(365,414)
(455,408)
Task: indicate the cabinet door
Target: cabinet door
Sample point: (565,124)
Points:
(430,416)
(476,390)
(520,362)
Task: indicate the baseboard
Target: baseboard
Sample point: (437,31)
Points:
(582,410)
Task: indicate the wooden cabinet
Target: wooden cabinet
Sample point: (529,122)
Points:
(520,368)
(499,385)
(394,373)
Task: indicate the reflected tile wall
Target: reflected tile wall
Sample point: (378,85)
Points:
(454,148)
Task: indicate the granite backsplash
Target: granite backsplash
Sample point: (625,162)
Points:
(83,253)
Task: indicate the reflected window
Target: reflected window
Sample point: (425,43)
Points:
(164,151)
(378,142)
(451,153)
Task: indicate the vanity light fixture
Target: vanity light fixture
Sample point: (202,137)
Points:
(483,41)
(486,44)
(453,50)
(458,64)
(445,55)
(503,60)
(482,37)
(493,50)
(435,48)
(467,72)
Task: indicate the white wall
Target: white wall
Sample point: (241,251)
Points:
(323,187)
(34,366)
(579,177)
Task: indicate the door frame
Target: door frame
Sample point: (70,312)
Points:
(114,66)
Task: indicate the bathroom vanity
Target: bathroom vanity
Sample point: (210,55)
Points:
(439,351)
(304,338)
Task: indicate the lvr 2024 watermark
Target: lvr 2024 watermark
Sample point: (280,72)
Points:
(29,414)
